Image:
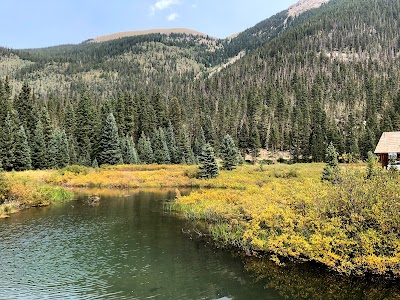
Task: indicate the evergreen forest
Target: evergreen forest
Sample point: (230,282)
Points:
(330,75)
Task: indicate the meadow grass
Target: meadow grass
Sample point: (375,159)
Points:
(30,189)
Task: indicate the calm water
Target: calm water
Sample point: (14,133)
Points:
(128,248)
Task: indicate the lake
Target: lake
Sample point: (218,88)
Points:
(129,247)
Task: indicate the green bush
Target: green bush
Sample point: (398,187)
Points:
(76,169)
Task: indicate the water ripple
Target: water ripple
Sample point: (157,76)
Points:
(121,249)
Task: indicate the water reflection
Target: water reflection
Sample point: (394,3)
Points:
(123,248)
(127,247)
(309,281)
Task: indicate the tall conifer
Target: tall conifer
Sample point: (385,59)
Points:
(22,151)
(109,151)
(208,163)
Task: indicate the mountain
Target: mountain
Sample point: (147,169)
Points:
(304,5)
(119,35)
(109,66)
(331,75)
(319,72)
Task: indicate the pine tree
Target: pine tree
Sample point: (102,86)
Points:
(331,171)
(69,125)
(229,153)
(184,148)
(25,108)
(318,133)
(130,116)
(171,144)
(145,150)
(129,153)
(161,152)
(254,142)
(39,148)
(85,127)
(209,166)
(109,151)
(22,151)
(63,157)
(85,159)
(95,164)
(244,138)
(7,142)
(53,150)
(199,142)
(58,150)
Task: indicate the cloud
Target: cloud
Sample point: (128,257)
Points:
(163,4)
(173,17)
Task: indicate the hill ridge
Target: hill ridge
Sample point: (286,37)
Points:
(113,36)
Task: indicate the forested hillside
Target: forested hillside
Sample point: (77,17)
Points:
(330,74)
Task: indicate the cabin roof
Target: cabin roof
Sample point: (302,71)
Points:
(389,143)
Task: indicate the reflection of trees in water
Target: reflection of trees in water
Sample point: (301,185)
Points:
(308,281)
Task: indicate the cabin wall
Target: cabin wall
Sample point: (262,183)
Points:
(384,159)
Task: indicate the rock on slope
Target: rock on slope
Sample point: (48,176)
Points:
(303,6)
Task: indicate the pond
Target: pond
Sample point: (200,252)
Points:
(128,247)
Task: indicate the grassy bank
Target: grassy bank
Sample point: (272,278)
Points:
(22,190)
(39,188)
(352,227)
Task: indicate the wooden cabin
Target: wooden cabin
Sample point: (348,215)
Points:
(388,146)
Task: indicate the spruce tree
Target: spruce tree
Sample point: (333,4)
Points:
(229,153)
(209,166)
(24,105)
(109,151)
(85,128)
(244,138)
(331,172)
(129,153)
(145,150)
(54,150)
(22,152)
(58,150)
(63,157)
(7,142)
(254,142)
(171,144)
(39,148)
(184,148)
(199,142)
(161,152)
(69,125)
(95,164)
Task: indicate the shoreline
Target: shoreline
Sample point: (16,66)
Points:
(279,209)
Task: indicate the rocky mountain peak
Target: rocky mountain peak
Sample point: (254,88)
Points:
(303,6)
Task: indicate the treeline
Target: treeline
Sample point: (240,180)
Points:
(127,129)
(329,75)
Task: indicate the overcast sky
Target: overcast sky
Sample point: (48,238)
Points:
(41,23)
